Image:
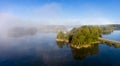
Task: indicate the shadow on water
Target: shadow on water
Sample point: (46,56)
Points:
(82,53)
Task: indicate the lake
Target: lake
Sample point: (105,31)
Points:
(42,50)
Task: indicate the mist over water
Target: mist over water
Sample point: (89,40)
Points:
(42,49)
(28,29)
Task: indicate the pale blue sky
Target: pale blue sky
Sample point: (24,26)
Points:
(68,12)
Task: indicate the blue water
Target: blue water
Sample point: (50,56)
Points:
(114,35)
(42,50)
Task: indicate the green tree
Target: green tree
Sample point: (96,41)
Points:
(85,35)
(81,35)
(60,35)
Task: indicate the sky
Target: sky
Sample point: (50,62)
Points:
(58,12)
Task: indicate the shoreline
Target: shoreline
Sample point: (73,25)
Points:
(62,40)
(85,45)
(78,46)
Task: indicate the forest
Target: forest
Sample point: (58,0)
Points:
(81,35)
(84,35)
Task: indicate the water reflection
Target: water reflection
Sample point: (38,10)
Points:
(42,50)
(113,45)
(113,36)
(82,53)
(60,44)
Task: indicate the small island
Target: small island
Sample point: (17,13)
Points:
(81,37)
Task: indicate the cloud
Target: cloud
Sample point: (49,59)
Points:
(6,16)
(6,19)
(49,14)
(41,16)
(9,20)
(96,21)
(48,10)
(86,21)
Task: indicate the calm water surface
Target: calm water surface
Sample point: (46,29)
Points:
(43,50)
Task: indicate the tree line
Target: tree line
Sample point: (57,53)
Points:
(81,35)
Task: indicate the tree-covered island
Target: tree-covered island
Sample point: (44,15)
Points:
(82,36)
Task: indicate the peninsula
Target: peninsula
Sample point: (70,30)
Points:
(84,36)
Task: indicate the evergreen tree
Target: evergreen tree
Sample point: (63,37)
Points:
(85,35)
(81,35)
(60,35)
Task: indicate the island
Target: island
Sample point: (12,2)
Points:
(82,36)
(85,36)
